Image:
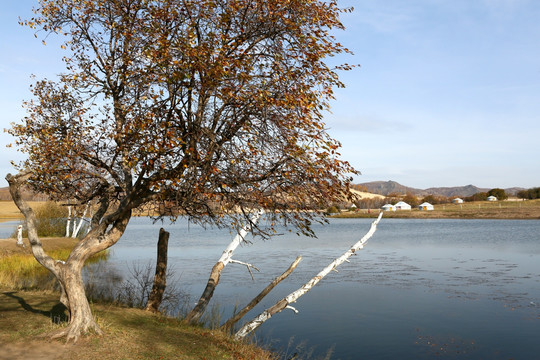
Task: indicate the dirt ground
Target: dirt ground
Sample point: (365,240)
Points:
(32,350)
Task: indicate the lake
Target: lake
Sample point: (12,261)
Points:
(421,289)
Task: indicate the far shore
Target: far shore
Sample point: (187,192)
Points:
(509,209)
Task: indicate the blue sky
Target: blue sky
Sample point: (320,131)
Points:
(447,94)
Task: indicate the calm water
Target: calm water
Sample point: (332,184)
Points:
(421,289)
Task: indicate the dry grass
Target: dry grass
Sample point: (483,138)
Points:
(9,211)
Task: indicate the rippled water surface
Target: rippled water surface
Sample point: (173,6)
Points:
(421,289)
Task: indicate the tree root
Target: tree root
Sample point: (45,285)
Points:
(73,331)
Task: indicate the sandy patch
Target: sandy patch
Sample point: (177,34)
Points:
(366,195)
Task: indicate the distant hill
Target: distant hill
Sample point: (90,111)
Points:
(388,187)
(462,191)
(26,195)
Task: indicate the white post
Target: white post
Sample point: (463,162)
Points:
(19,236)
(68,221)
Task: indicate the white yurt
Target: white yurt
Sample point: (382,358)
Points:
(402,205)
(425,206)
(457,201)
(388,207)
(491,198)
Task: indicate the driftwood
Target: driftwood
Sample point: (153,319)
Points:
(160,279)
(292,297)
(257,299)
(226,257)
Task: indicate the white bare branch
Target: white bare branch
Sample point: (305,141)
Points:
(291,308)
(292,297)
(249,266)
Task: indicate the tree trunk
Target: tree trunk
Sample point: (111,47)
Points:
(69,273)
(77,228)
(196,313)
(81,320)
(19,236)
(160,279)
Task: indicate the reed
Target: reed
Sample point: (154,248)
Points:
(23,272)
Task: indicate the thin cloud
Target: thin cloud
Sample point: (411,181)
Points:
(367,124)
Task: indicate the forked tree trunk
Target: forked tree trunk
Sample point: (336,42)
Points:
(69,273)
(226,257)
(77,228)
(160,279)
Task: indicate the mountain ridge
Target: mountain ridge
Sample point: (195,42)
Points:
(388,187)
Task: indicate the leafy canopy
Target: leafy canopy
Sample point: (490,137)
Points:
(201,106)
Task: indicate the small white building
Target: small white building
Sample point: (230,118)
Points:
(388,207)
(491,198)
(457,201)
(425,206)
(402,205)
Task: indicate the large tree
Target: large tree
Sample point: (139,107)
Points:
(208,108)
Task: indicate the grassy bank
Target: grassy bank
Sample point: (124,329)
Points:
(130,333)
(529,209)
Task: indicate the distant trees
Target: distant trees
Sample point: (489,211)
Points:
(434,200)
(530,194)
(481,196)
(411,200)
(373,203)
(500,194)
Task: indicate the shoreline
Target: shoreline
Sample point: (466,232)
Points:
(500,210)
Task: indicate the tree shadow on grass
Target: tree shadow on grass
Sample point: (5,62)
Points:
(57,314)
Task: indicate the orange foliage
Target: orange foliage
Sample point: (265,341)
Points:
(212,106)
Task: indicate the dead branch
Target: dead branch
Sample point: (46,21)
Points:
(257,299)
(292,297)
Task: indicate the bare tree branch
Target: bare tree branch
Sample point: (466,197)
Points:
(292,297)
